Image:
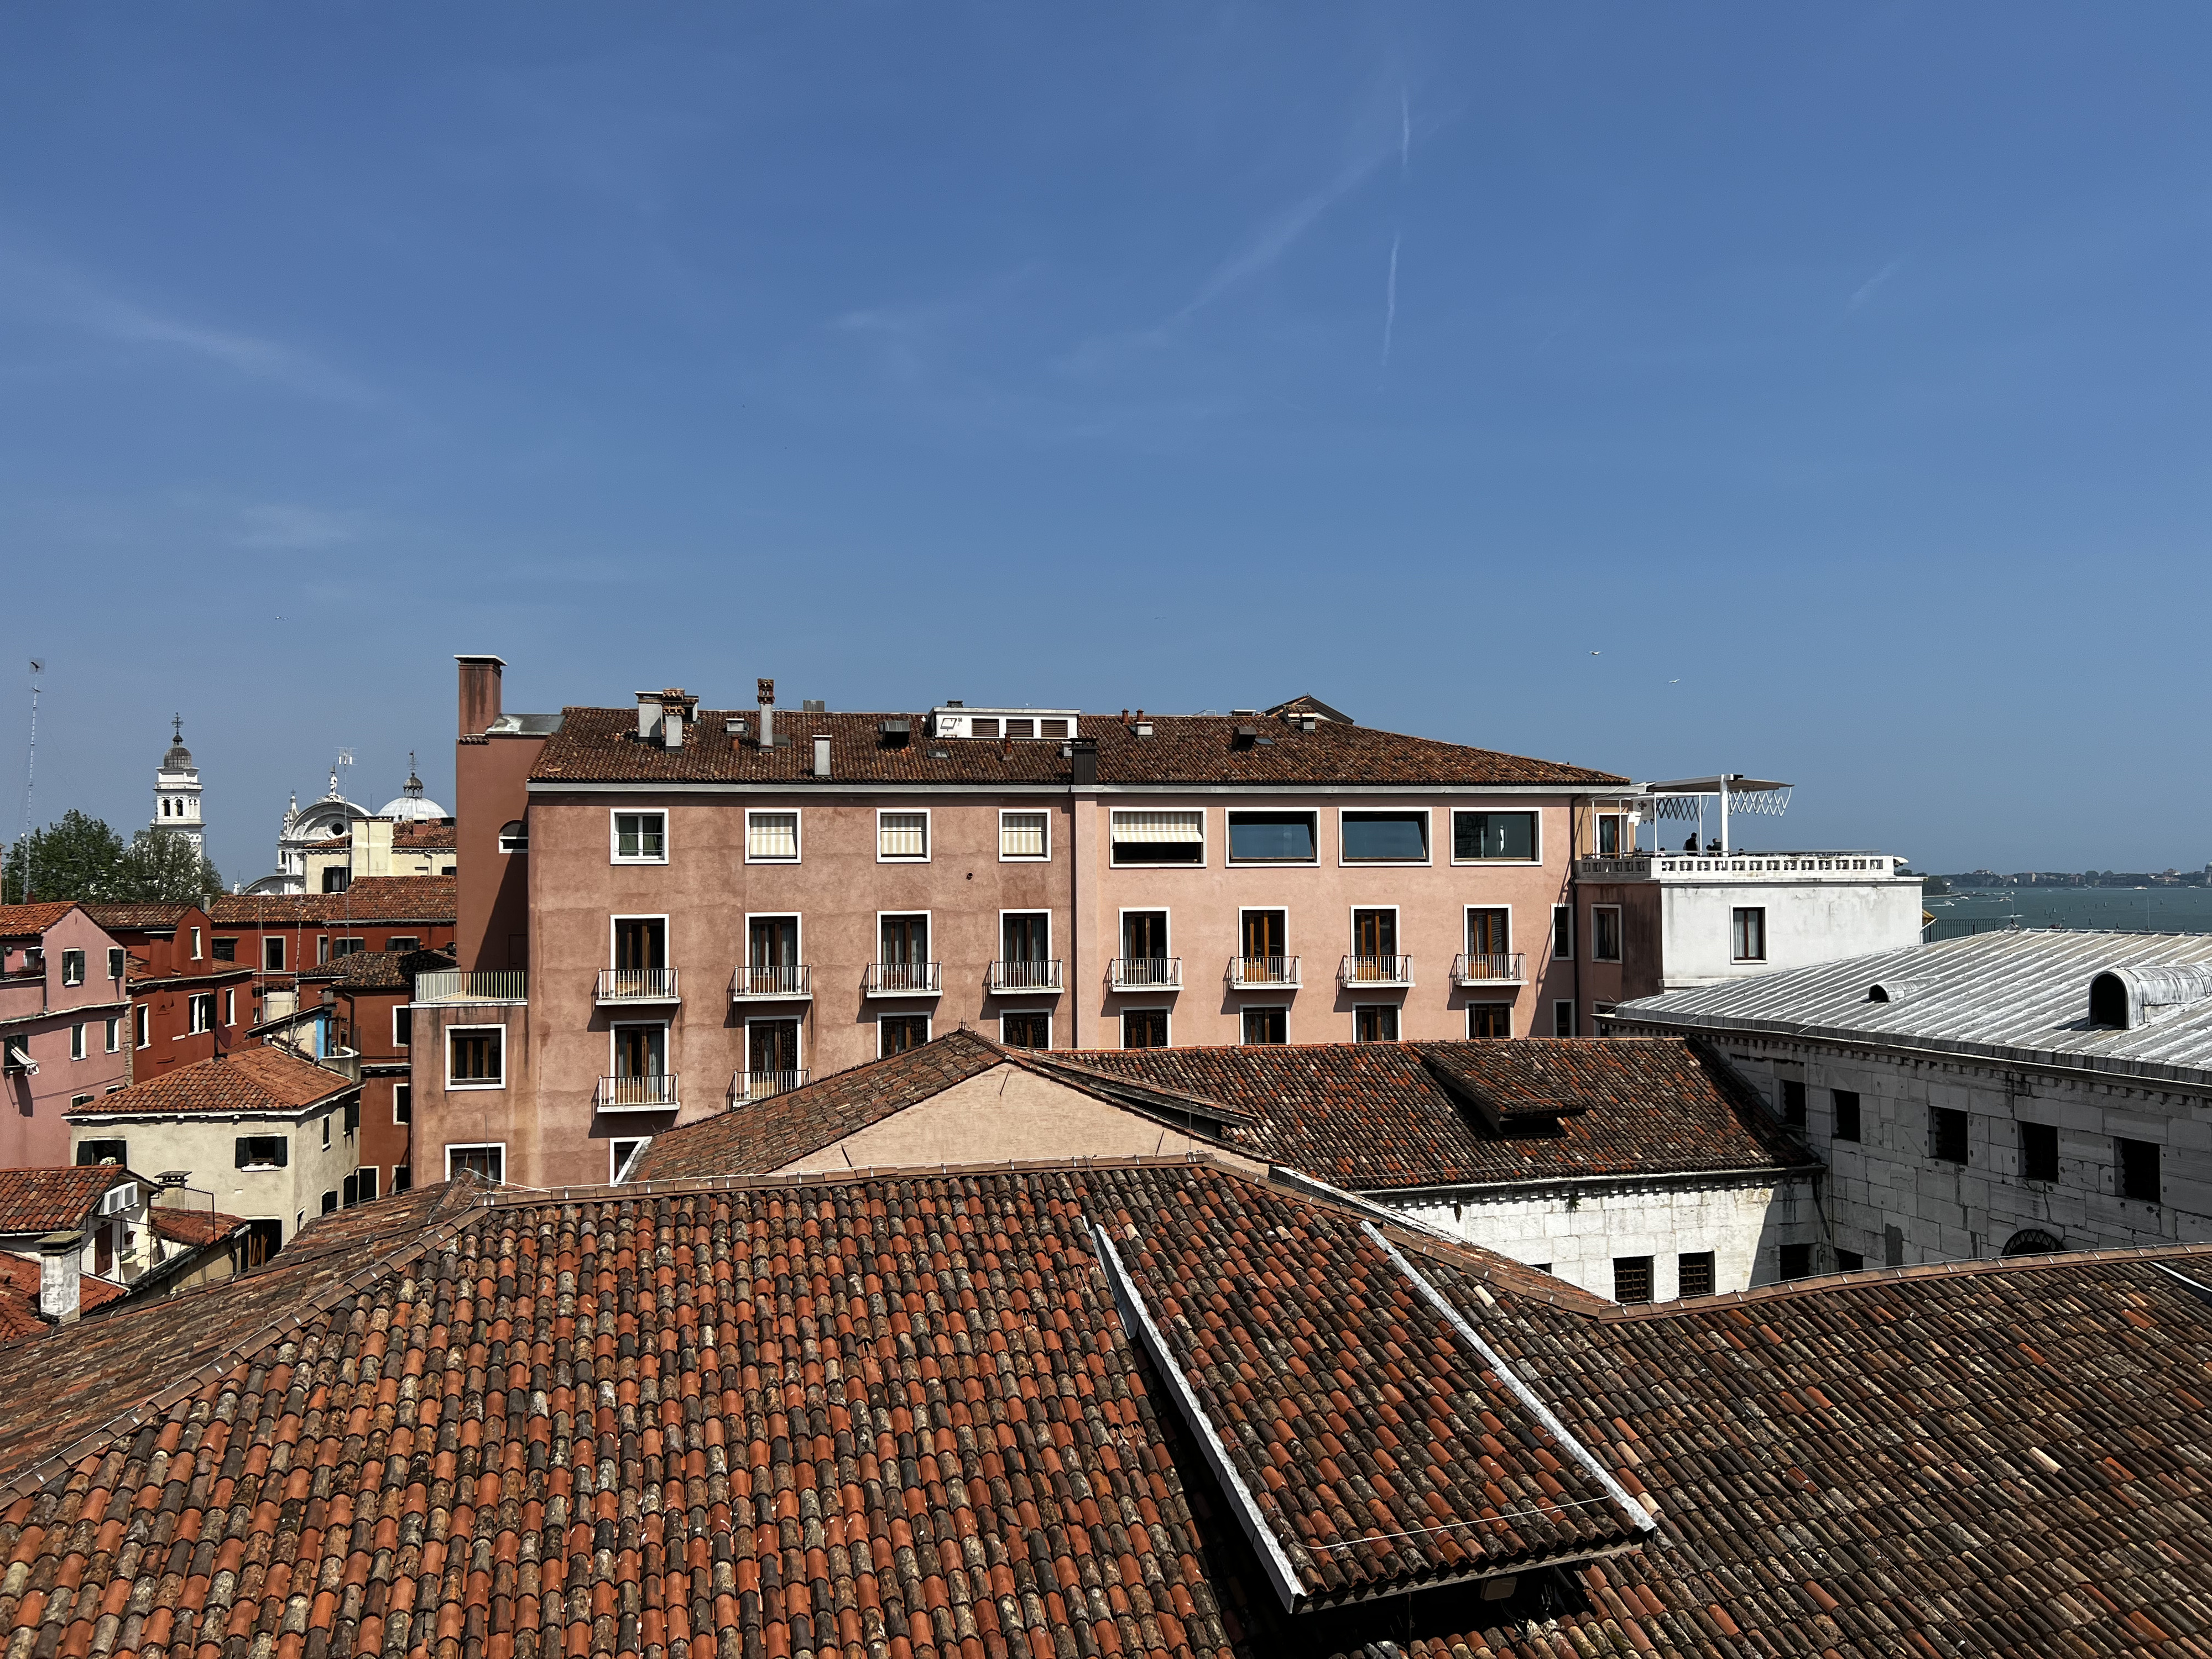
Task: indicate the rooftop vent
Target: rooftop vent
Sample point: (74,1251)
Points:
(814,705)
(1243,713)
(1895,990)
(2132,997)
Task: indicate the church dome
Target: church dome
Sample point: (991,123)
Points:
(179,758)
(411,806)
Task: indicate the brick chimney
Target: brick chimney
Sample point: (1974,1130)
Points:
(480,693)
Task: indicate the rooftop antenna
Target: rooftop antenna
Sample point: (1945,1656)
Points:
(30,775)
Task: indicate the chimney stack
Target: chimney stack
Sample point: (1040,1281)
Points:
(61,1273)
(766,689)
(480,693)
(649,715)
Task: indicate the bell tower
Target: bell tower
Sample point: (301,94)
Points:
(177,790)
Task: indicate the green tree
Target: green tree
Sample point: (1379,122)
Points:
(162,866)
(79,858)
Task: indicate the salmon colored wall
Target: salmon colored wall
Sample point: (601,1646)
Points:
(1007,1113)
(491,774)
(33,1132)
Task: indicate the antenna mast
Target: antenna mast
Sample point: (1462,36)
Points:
(30,775)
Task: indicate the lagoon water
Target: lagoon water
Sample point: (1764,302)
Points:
(2144,909)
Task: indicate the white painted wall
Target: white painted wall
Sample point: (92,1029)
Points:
(1580,1231)
(206,1148)
(1807,922)
(1945,1212)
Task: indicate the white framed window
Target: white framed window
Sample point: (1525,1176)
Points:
(1024,836)
(1604,933)
(201,1008)
(1497,837)
(73,964)
(1274,837)
(1026,1028)
(272,954)
(487,1158)
(76,1042)
(114,1034)
(901,837)
(1562,933)
(402,1026)
(1747,934)
(116,958)
(476,1057)
(772,837)
(897,1034)
(1374,1022)
(621,1154)
(1265,1024)
(1145,1028)
(326,1132)
(1382,835)
(403,1103)
(1150,835)
(1489,1019)
(196,945)
(638,837)
(514,837)
(229,1006)
(143,1035)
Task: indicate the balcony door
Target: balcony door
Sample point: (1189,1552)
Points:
(1266,933)
(641,1051)
(775,942)
(1375,932)
(1485,933)
(1145,935)
(1026,937)
(772,1047)
(905,941)
(641,944)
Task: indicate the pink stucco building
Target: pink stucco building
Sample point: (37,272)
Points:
(666,908)
(63,1008)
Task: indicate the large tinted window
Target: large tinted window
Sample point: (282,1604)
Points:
(1493,834)
(1271,837)
(1386,837)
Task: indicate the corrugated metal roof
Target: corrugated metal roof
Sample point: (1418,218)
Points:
(2022,997)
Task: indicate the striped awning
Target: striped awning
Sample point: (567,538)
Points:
(1152,827)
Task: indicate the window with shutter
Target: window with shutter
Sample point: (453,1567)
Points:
(1159,837)
(902,837)
(1023,835)
(772,837)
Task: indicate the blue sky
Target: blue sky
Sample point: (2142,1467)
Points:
(1812,391)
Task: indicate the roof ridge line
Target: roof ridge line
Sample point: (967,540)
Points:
(512,1197)
(439,1228)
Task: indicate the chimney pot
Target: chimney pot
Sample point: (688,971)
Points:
(480,677)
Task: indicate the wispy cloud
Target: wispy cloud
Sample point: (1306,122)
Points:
(1866,290)
(1282,231)
(53,291)
(283,525)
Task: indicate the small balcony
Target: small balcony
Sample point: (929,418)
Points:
(1144,973)
(905,978)
(1014,979)
(625,987)
(1376,973)
(1506,968)
(652,1092)
(765,1085)
(773,981)
(1263,973)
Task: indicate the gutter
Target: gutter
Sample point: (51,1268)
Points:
(1743,1172)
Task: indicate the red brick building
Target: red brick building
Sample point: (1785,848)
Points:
(369,995)
(190,996)
(279,934)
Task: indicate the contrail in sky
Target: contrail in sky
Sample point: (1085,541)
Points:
(1391,301)
(1404,131)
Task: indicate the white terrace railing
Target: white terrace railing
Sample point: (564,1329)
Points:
(653,1092)
(1378,972)
(1269,973)
(905,978)
(1017,978)
(1477,967)
(789,982)
(1144,973)
(638,985)
(1742,866)
(472,985)
(762,1085)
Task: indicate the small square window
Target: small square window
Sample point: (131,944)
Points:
(116,962)
(1374,1022)
(1794,1261)
(1144,1028)
(1029,1029)
(489,1162)
(1846,1103)
(1747,934)
(401,943)
(1946,1134)
(2139,1173)
(1695,1274)
(1025,836)
(476,1056)
(272,954)
(1850,1261)
(73,967)
(1266,1026)
(641,838)
(1489,1019)
(2039,1151)
(895,1034)
(772,837)
(902,837)
(1632,1278)
(225,950)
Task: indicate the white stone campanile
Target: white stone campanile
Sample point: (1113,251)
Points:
(177,792)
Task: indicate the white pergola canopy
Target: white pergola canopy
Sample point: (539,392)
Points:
(1684,798)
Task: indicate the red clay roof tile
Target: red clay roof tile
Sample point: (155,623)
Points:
(371,899)
(264,1080)
(54,1199)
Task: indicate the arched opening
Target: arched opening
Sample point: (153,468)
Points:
(514,837)
(2031,1240)
(2108,1000)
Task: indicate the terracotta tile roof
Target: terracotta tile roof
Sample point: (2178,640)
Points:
(192,1227)
(19,1297)
(247,1080)
(29,920)
(754,1137)
(54,1200)
(371,899)
(425,837)
(207,973)
(602,745)
(377,970)
(139,918)
(905,1417)
(1372,1116)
